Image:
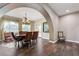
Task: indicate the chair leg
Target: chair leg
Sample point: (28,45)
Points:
(15,43)
(36,40)
(30,43)
(18,44)
(22,43)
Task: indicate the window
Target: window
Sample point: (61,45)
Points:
(45,27)
(10,27)
(25,27)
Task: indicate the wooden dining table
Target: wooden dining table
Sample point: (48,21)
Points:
(21,37)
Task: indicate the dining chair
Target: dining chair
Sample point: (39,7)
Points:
(17,39)
(35,36)
(61,36)
(8,36)
(28,38)
(22,33)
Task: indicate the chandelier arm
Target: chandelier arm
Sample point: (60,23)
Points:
(25,20)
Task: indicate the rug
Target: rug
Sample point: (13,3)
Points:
(8,45)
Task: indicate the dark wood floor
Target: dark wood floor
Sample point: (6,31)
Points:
(43,48)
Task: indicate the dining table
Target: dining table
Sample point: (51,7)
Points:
(21,37)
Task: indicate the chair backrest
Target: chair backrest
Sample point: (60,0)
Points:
(8,35)
(35,35)
(13,36)
(23,33)
(28,35)
(60,33)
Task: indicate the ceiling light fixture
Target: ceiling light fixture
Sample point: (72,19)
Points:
(25,19)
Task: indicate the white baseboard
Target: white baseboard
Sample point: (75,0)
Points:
(50,40)
(53,41)
(66,40)
(72,41)
(44,38)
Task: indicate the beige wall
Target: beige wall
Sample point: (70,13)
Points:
(0,31)
(32,26)
(70,25)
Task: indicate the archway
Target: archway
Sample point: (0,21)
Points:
(37,7)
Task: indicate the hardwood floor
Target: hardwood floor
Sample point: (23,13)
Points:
(43,48)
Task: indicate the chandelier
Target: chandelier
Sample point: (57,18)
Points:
(25,20)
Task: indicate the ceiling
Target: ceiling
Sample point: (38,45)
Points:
(61,8)
(31,14)
(58,8)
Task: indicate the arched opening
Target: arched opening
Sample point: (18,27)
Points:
(37,7)
(38,22)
